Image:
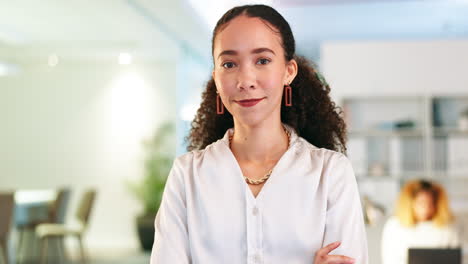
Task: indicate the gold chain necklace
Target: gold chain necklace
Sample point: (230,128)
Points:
(264,178)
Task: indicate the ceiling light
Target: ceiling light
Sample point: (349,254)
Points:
(125,58)
(53,60)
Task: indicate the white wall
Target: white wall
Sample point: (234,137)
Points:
(77,125)
(396,68)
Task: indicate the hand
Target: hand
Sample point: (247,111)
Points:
(322,257)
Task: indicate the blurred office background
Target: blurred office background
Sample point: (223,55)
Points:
(84,83)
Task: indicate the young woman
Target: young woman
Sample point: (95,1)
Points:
(265,181)
(423,220)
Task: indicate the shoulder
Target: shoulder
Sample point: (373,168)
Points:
(334,169)
(331,162)
(323,154)
(393,228)
(451,228)
(335,166)
(392,223)
(198,156)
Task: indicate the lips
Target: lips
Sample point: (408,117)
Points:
(249,102)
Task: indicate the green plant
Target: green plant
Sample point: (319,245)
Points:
(160,153)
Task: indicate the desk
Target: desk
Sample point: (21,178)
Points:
(32,206)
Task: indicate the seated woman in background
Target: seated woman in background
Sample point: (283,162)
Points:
(423,220)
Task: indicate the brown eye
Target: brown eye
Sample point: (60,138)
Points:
(228,65)
(263,61)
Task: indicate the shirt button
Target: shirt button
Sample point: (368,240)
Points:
(255,211)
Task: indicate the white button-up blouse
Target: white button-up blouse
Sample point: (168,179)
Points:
(209,215)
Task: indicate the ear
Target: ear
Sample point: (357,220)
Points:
(291,71)
(213,74)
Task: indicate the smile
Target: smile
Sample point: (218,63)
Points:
(249,102)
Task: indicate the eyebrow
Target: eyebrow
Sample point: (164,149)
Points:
(255,51)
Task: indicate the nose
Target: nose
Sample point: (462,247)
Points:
(246,78)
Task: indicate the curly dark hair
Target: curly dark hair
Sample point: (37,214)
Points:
(314,116)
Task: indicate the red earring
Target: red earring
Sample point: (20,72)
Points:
(219,105)
(288,95)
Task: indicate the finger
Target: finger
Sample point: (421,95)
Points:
(328,248)
(339,259)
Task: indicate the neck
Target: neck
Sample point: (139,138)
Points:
(262,143)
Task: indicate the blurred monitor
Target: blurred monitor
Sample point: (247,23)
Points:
(434,256)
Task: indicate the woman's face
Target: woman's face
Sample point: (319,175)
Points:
(250,70)
(424,206)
